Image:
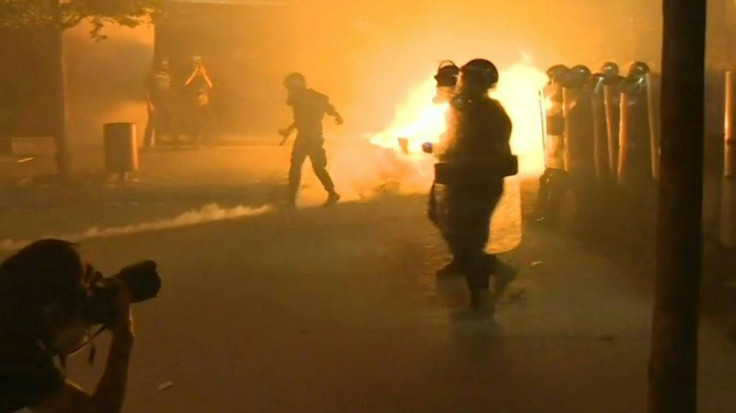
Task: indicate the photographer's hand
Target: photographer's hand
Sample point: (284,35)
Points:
(110,392)
(122,325)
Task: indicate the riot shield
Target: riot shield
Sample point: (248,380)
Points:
(579,134)
(635,141)
(612,102)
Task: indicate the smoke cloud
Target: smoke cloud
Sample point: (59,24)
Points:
(208,213)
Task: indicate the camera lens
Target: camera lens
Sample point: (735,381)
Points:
(142,280)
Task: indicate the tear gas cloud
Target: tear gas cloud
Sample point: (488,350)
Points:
(208,213)
(375,60)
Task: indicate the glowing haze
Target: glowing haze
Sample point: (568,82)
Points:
(419,120)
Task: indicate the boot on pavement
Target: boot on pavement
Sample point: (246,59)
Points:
(503,275)
(332,198)
(451,269)
(481,302)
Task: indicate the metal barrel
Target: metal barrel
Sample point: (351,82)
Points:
(121,154)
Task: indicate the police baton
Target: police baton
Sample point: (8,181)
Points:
(285,134)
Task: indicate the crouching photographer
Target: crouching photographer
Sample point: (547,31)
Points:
(52,304)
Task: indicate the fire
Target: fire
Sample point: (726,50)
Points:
(419,120)
(518,91)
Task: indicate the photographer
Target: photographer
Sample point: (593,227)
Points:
(44,295)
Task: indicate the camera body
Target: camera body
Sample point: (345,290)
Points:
(142,281)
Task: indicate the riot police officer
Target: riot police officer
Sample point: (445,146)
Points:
(469,179)
(554,182)
(637,166)
(447,75)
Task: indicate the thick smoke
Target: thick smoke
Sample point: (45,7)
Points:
(365,55)
(208,213)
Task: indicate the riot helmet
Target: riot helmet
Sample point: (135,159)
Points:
(447,74)
(638,69)
(578,76)
(480,74)
(557,72)
(610,69)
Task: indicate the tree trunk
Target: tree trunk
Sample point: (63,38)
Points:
(720,32)
(727,22)
(59,96)
(673,363)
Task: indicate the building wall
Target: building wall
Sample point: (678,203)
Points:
(25,82)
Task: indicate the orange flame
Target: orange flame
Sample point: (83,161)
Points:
(419,120)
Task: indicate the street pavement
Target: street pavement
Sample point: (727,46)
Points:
(339,310)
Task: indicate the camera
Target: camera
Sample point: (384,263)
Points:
(142,281)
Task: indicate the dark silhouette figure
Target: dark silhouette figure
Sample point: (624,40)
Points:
(159,99)
(309,108)
(198,86)
(469,180)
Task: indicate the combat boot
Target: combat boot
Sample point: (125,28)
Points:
(481,302)
(451,269)
(332,198)
(503,275)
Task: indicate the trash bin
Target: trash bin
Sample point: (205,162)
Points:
(120,147)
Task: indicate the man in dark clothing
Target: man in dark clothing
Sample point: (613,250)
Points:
(43,292)
(309,107)
(469,179)
(160,105)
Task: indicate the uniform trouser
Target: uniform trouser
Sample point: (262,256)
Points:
(201,123)
(312,148)
(160,120)
(464,217)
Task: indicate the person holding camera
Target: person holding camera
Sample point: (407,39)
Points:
(46,297)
